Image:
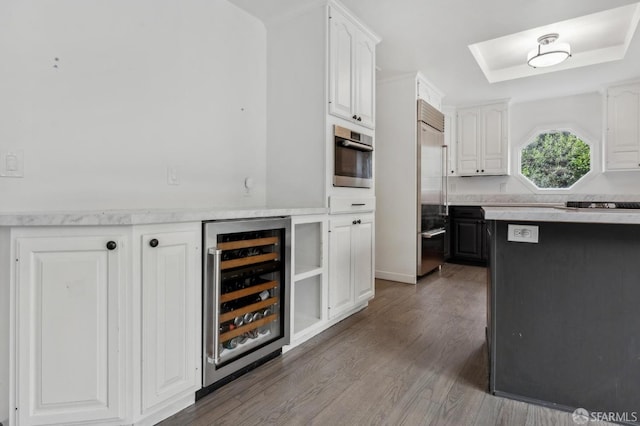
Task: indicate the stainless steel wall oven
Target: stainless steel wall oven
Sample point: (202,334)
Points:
(353,158)
(246,296)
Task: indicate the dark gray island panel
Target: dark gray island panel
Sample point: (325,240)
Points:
(565,315)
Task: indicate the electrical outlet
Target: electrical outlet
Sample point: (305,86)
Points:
(11,164)
(522,233)
(172,176)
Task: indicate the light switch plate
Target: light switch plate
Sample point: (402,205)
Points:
(522,233)
(12,163)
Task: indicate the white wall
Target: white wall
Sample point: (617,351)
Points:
(297,109)
(138,86)
(585,113)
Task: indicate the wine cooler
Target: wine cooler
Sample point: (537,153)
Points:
(246,296)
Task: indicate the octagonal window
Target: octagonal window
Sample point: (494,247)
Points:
(555,160)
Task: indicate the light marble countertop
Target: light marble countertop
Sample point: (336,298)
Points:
(562,214)
(143,217)
(533,199)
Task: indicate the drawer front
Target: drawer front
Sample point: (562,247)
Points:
(351,204)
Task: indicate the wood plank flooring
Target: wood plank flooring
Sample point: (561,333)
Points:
(415,356)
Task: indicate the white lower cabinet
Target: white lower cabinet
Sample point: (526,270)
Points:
(108,323)
(350,262)
(170,319)
(71,326)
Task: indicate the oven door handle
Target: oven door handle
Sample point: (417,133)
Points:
(434,233)
(357,145)
(215,295)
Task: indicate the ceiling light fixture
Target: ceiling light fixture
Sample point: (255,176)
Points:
(548,53)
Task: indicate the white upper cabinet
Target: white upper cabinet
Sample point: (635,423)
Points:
(352,61)
(450,141)
(71,327)
(483,140)
(428,93)
(341,76)
(623,128)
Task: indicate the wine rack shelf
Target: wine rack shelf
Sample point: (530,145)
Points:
(247,327)
(250,260)
(226,297)
(258,242)
(228,316)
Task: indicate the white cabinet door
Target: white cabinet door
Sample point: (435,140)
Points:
(341,85)
(483,140)
(467,152)
(352,65)
(494,140)
(623,128)
(365,80)
(450,142)
(362,255)
(350,262)
(340,266)
(71,328)
(170,315)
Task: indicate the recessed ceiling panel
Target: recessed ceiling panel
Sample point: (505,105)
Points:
(596,38)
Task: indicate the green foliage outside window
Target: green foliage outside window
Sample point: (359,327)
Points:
(555,160)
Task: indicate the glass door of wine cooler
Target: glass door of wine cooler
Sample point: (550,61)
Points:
(246,283)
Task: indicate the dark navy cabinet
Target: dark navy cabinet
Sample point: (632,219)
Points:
(468,235)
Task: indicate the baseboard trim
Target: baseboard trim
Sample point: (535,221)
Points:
(394,276)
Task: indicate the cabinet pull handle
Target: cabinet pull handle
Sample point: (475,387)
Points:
(357,204)
(111,245)
(153,243)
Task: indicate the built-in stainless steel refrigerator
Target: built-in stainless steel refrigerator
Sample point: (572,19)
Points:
(432,189)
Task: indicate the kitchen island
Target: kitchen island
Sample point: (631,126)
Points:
(563,308)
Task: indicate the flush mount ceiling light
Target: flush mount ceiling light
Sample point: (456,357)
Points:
(548,52)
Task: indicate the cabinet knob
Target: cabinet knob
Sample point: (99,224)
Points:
(359,221)
(355,222)
(355,117)
(111,245)
(477,171)
(482,170)
(153,243)
(359,118)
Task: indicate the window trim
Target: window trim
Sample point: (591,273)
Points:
(594,151)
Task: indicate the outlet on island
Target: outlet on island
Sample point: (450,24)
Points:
(522,233)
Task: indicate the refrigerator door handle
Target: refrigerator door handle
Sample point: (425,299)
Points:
(434,233)
(217,256)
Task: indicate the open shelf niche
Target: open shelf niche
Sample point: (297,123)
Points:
(310,298)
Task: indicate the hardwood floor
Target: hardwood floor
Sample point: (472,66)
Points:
(415,356)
